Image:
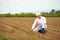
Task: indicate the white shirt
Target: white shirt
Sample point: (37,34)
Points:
(41,22)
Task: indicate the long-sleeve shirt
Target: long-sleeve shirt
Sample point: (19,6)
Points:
(41,22)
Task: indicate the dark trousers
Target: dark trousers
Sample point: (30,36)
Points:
(42,31)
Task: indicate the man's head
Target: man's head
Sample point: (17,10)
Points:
(38,15)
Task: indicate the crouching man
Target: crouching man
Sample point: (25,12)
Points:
(40,22)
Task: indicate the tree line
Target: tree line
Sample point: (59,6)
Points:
(53,13)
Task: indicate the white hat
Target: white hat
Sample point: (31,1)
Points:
(39,13)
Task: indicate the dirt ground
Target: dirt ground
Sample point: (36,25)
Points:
(20,29)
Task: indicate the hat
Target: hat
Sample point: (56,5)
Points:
(39,13)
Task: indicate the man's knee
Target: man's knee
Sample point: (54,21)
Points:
(42,31)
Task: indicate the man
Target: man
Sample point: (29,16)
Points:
(40,22)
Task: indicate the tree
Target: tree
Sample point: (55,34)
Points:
(53,11)
(58,12)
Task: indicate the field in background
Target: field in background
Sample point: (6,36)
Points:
(20,29)
(52,13)
(30,15)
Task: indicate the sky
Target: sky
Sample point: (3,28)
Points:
(17,6)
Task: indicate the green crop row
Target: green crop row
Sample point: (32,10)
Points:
(29,15)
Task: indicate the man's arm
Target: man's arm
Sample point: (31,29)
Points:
(44,23)
(34,24)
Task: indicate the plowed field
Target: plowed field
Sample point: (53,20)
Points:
(20,29)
